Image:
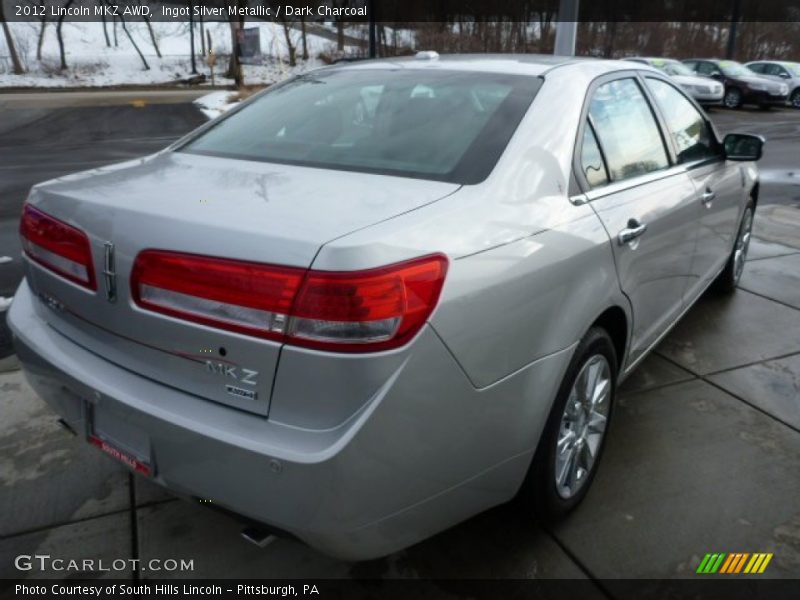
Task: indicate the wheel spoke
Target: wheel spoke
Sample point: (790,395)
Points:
(597,422)
(564,441)
(601,391)
(566,468)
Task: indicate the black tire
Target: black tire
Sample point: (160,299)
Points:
(732,98)
(728,279)
(539,491)
(795,99)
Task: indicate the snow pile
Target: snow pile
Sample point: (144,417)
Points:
(91,62)
(214,104)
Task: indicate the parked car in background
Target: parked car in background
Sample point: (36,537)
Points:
(781,71)
(383,319)
(705,90)
(742,86)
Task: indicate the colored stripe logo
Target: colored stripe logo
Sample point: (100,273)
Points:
(734,563)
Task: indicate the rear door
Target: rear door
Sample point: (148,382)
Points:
(718,184)
(645,202)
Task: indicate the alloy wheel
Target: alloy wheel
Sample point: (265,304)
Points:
(742,244)
(796,99)
(733,98)
(583,426)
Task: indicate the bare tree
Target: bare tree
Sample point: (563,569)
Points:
(287,26)
(133,42)
(153,39)
(42,25)
(105,27)
(12,48)
(60,36)
(305,40)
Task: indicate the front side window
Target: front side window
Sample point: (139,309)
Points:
(707,68)
(627,130)
(442,125)
(694,140)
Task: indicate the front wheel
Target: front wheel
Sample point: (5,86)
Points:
(732,98)
(795,100)
(571,445)
(728,279)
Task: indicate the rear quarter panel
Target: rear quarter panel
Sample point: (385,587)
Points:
(529,270)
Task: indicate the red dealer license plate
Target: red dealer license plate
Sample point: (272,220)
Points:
(122,456)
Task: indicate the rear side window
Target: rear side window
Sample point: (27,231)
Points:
(429,124)
(693,137)
(627,130)
(758,67)
(592,163)
(706,68)
(776,70)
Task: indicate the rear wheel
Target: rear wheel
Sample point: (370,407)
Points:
(795,100)
(732,98)
(729,278)
(572,443)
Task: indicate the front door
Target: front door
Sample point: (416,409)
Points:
(719,184)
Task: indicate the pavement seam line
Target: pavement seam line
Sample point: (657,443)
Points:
(760,295)
(81,520)
(753,364)
(581,567)
(736,396)
(794,253)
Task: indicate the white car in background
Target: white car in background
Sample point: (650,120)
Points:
(703,89)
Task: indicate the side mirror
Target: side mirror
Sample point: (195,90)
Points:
(743,146)
(716,75)
(785,75)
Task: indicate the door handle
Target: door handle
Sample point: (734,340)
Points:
(631,232)
(708,197)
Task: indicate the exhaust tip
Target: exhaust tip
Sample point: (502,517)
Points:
(259,537)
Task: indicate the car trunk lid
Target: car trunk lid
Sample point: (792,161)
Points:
(238,210)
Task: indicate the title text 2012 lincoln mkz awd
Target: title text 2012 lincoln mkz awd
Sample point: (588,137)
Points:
(381,297)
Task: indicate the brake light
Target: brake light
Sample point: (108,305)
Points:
(57,246)
(359,311)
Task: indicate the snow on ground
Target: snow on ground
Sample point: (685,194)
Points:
(91,62)
(214,104)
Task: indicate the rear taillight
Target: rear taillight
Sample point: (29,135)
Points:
(57,246)
(358,311)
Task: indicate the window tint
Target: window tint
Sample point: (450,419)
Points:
(627,130)
(757,67)
(592,160)
(442,125)
(776,70)
(693,138)
(706,68)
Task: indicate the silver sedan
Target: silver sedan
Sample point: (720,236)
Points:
(382,297)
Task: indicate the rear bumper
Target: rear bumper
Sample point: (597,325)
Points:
(426,451)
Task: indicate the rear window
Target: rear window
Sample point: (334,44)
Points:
(443,125)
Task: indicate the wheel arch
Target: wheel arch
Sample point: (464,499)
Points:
(614,321)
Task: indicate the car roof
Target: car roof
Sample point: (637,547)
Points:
(513,64)
(652,58)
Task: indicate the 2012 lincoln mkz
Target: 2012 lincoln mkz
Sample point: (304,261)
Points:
(381,297)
